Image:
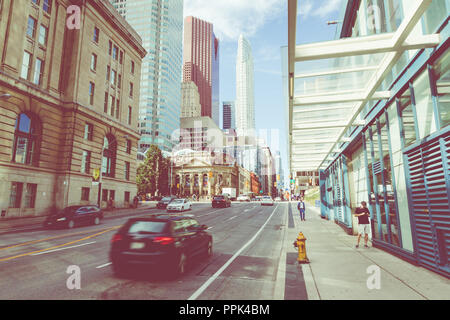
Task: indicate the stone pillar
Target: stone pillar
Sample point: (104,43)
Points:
(191,181)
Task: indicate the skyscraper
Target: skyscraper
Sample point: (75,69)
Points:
(229,115)
(160,25)
(201,64)
(245,99)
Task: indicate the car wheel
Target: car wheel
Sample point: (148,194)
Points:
(70,224)
(96,220)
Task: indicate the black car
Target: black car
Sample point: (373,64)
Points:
(72,216)
(167,241)
(162,204)
(221,201)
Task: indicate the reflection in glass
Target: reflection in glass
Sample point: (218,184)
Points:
(407,116)
(441,71)
(424,105)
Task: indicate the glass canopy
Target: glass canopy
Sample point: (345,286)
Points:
(331,83)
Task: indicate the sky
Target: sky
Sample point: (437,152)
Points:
(264,24)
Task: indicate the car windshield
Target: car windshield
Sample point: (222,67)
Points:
(166,199)
(147,227)
(177,201)
(219,197)
(267,198)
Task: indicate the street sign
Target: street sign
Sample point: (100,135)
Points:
(96,176)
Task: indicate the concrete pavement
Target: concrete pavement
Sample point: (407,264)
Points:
(337,270)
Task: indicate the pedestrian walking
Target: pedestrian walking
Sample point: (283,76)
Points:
(363,223)
(301,206)
(135,201)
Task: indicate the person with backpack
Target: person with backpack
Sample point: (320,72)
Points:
(301,206)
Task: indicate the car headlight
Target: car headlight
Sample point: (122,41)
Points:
(61,219)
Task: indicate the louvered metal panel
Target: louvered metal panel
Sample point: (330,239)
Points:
(428,179)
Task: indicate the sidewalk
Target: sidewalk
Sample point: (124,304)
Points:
(18,224)
(337,270)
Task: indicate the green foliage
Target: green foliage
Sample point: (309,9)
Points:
(153,174)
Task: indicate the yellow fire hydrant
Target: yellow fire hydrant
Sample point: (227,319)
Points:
(300,243)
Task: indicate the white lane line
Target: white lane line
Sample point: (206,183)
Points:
(230,218)
(65,248)
(104,265)
(210,228)
(208,282)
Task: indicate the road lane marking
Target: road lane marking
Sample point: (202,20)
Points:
(208,282)
(59,246)
(50,238)
(230,218)
(65,248)
(104,265)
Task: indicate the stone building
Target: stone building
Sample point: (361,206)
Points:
(68,105)
(205,175)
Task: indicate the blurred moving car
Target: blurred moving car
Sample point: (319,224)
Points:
(179,205)
(221,201)
(162,204)
(166,240)
(266,201)
(277,199)
(72,216)
(243,197)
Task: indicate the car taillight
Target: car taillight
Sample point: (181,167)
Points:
(164,240)
(116,237)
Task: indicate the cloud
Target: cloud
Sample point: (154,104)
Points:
(307,8)
(233,17)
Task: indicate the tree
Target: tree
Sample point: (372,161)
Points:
(152,175)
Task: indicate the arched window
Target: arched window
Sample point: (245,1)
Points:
(109,156)
(26,140)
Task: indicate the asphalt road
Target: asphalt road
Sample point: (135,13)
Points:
(247,247)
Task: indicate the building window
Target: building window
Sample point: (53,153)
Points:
(31,28)
(109,156)
(25,140)
(426,120)
(15,196)
(111,109)
(91,93)
(85,194)
(38,71)
(108,72)
(128,150)
(26,65)
(408,118)
(115,52)
(109,47)
(119,81)
(105,195)
(132,67)
(47,6)
(129,115)
(113,77)
(30,195)
(441,75)
(85,161)
(96,35)
(131,89)
(126,197)
(127,170)
(94,62)
(105,104)
(88,131)
(43,32)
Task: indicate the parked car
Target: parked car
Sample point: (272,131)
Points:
(243,197)
(167,241)
(179,205)
(266,201)
(72,216)
(162,204)
(221,201)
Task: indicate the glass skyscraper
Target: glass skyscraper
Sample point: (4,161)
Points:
(160,25)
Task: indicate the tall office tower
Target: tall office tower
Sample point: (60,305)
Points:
(245,99)
(201,64)
(229,118)
(160,25)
